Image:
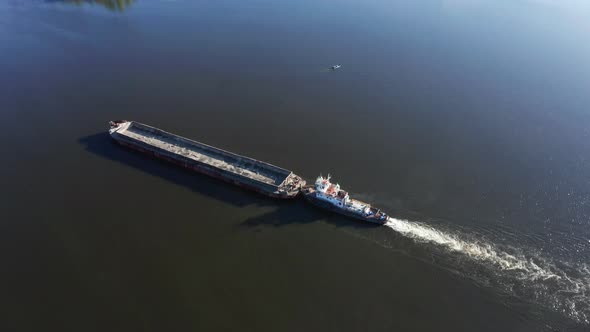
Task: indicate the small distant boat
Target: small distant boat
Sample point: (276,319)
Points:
(334,67)
(329,196)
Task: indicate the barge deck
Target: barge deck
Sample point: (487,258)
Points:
(243,171)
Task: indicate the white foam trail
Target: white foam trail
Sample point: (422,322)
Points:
(562,289)
(477,250)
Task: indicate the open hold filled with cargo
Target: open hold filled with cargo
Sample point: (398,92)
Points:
(247,172)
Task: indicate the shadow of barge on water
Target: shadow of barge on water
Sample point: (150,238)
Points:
(293,211)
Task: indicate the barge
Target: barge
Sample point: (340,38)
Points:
(245,172)
(329,196)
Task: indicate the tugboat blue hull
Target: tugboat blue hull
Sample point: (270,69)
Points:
(310,196)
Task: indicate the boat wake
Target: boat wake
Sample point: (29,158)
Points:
(557,285)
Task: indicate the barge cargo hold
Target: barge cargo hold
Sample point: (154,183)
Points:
(245,172)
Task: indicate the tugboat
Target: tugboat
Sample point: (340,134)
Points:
(329,196)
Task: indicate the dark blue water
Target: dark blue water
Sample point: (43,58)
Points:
(466,121)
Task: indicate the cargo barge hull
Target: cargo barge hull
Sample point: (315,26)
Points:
(242,171)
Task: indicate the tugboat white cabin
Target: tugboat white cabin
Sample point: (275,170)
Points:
(329,195)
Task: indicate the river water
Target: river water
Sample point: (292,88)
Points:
(467,121)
